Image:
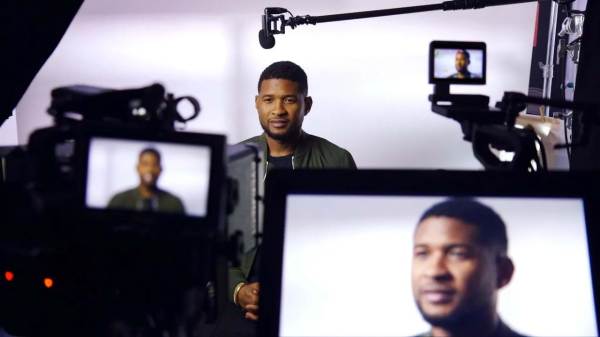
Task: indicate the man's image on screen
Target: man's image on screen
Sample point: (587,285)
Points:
(147,196)
(462,60)
(459,263)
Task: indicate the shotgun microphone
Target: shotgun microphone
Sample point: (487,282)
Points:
(266,36)
(266,41)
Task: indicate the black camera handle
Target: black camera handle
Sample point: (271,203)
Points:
(149,106)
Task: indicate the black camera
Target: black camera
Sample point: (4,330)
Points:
(490,130)
(112,220)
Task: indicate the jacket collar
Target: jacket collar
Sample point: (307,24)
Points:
(301,146)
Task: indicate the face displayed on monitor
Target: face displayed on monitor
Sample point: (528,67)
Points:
(458,64)
(148,176)
(396,266)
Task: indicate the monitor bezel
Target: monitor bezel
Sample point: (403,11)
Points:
(153,221)
(281,184)
(457,45)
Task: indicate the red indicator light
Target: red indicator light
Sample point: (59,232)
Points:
(48,282)
(9,276)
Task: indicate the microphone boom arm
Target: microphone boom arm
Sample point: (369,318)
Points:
(274,19)
(444,6)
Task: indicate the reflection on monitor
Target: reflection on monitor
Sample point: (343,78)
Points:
(148,176)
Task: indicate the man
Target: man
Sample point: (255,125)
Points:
(462,60)
(147,196)
(459,263)
(282,103)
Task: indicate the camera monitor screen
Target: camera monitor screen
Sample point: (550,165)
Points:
(358,259)
(457,62)
(174,177)
(170,174)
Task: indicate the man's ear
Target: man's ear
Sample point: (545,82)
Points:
(256,102)
(506,269)
(308,102)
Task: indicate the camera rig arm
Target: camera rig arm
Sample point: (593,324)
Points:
(488,128)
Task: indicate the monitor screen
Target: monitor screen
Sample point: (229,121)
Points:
(457,62)
(353,266)
(120,170)
(350,256)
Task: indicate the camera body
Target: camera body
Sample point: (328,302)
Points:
(80,267)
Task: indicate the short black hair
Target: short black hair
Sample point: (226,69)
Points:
(491,227)
(464,51)
(286,70)
(150,150)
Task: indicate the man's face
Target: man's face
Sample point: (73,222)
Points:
(148,169)
(453,276)
(461,62)
(281,108)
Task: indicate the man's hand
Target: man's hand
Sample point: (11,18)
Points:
(247,298)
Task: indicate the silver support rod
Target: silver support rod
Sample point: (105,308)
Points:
(549,66)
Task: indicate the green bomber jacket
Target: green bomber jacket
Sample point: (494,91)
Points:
(311,152)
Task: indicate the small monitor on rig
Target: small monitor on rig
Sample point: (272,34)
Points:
(456,62)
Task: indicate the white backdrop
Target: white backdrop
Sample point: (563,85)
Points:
(112,169)
(347,273)
(368,77)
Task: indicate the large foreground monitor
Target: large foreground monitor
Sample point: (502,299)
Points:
(339,254)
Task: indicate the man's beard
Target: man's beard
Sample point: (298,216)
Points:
(149,181)
(463,71)
(463,315)
(449,321)
(290,135)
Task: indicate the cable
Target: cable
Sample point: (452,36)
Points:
(567,119)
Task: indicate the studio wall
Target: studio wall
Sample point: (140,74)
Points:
(368,78)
